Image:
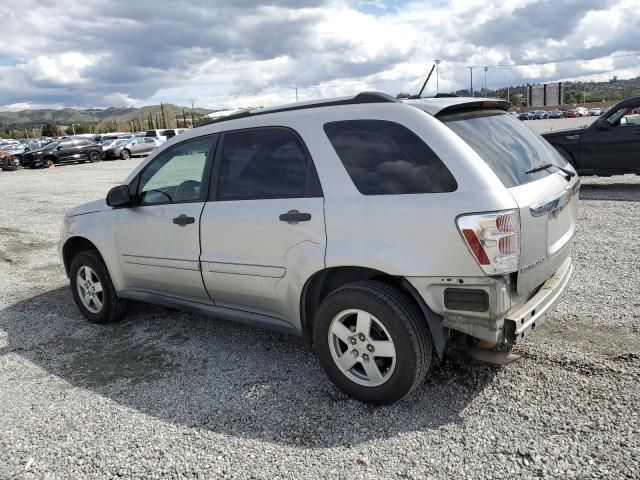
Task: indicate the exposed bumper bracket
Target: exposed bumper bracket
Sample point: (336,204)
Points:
(524,318)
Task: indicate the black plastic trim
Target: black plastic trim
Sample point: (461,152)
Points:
(240,316)
(466,299)
(439,332)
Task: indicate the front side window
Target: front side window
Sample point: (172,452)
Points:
(386,158)
(625,117)
(176,175)
(265,163)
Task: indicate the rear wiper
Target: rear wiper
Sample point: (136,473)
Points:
(546,166)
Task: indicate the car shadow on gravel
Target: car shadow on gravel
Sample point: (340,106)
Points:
(202,373)
(622,192)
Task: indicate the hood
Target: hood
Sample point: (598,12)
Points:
(89,207)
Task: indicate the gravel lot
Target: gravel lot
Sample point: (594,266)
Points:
(170,394)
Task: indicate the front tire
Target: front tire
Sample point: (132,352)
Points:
(93,290)
(372,342)
(95,156)
(125,154)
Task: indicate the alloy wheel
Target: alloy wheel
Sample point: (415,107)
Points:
(362,347)
(89,289)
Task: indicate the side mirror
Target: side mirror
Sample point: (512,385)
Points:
(119,197)
(603,124)
(58,148)
(623,121)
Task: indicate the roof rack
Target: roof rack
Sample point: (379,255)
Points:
(363,97)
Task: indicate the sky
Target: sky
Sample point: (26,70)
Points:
(241,53)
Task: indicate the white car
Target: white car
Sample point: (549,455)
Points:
(378,229)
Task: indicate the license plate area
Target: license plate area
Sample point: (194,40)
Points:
(561,225)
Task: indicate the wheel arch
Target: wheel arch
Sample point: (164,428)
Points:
(322,283)
(74,246)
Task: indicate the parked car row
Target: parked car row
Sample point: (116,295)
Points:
(39,153)
(557,113)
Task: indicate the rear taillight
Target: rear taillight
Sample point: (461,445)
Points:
(494,240)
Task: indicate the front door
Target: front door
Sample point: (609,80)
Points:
(617,148)
(263,231)
(158,239)
(69,151)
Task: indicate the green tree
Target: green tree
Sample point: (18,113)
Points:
(49,130)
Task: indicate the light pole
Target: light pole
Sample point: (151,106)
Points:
(485,81)
(471,73)
(437,77)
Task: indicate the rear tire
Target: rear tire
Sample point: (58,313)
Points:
(386,363)
(93,290)
(125,154)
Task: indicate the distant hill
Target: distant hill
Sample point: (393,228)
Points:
(67,116)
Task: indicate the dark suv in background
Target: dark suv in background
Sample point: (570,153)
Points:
(63,151)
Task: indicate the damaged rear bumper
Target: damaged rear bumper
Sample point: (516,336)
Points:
(521,320)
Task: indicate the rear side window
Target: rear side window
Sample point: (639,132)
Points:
(266,163)
(386,158)
(508,146)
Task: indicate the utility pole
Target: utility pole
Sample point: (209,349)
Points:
(437,77)
(485,81)
(296,89)
(73,127)
(471,73)
(193,120)
(508,91)
(55,121)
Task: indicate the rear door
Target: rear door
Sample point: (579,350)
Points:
(158,239)
(264,226)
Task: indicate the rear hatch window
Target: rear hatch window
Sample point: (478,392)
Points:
(505,144)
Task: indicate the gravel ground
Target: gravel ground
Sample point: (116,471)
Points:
(170,394)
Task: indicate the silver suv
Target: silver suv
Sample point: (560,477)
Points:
(378,229)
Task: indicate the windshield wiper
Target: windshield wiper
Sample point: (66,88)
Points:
(546,166)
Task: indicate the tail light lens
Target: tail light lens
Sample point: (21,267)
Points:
(494,240)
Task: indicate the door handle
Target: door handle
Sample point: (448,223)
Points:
(183,220)
(294,216)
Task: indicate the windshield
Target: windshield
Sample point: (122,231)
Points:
(509,147)
(51,146)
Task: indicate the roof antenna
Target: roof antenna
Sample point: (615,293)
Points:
(424,84)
